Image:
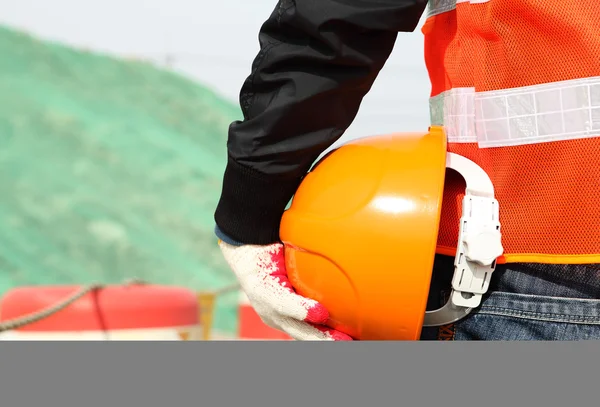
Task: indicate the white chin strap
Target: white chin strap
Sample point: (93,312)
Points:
(479,244)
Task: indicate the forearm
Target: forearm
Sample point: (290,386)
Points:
(318,59)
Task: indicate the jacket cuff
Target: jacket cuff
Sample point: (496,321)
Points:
(252,204)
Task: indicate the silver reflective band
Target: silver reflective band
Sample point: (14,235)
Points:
(554,111)
(455,110)
(436,7)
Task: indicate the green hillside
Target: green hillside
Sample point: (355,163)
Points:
(109,170)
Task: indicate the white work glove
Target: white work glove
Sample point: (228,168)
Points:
(263,278)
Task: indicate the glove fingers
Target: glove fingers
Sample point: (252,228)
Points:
(274,305)
(263,276)
(303,309)
(330,332)
(286,300)
(262,273)
(303,331)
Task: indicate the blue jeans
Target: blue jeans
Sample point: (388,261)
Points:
(525,302)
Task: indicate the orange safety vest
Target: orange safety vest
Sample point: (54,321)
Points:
(516,84)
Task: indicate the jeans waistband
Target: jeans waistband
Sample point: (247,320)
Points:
(552,280)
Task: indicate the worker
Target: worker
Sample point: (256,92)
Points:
(516,85)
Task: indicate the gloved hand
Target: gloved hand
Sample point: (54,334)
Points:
(263,278)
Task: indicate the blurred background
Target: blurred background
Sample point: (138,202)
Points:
(113,124)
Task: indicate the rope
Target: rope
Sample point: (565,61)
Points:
(224,290)
(33,317)
(53,309)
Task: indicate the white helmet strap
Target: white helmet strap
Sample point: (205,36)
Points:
(479,244)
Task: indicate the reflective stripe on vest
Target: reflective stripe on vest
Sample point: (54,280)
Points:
(517,87)
(533,114)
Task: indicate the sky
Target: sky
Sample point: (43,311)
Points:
(215,42)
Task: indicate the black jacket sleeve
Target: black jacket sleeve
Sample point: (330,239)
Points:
(317,60)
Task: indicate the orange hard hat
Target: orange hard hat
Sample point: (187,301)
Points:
(361,232)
